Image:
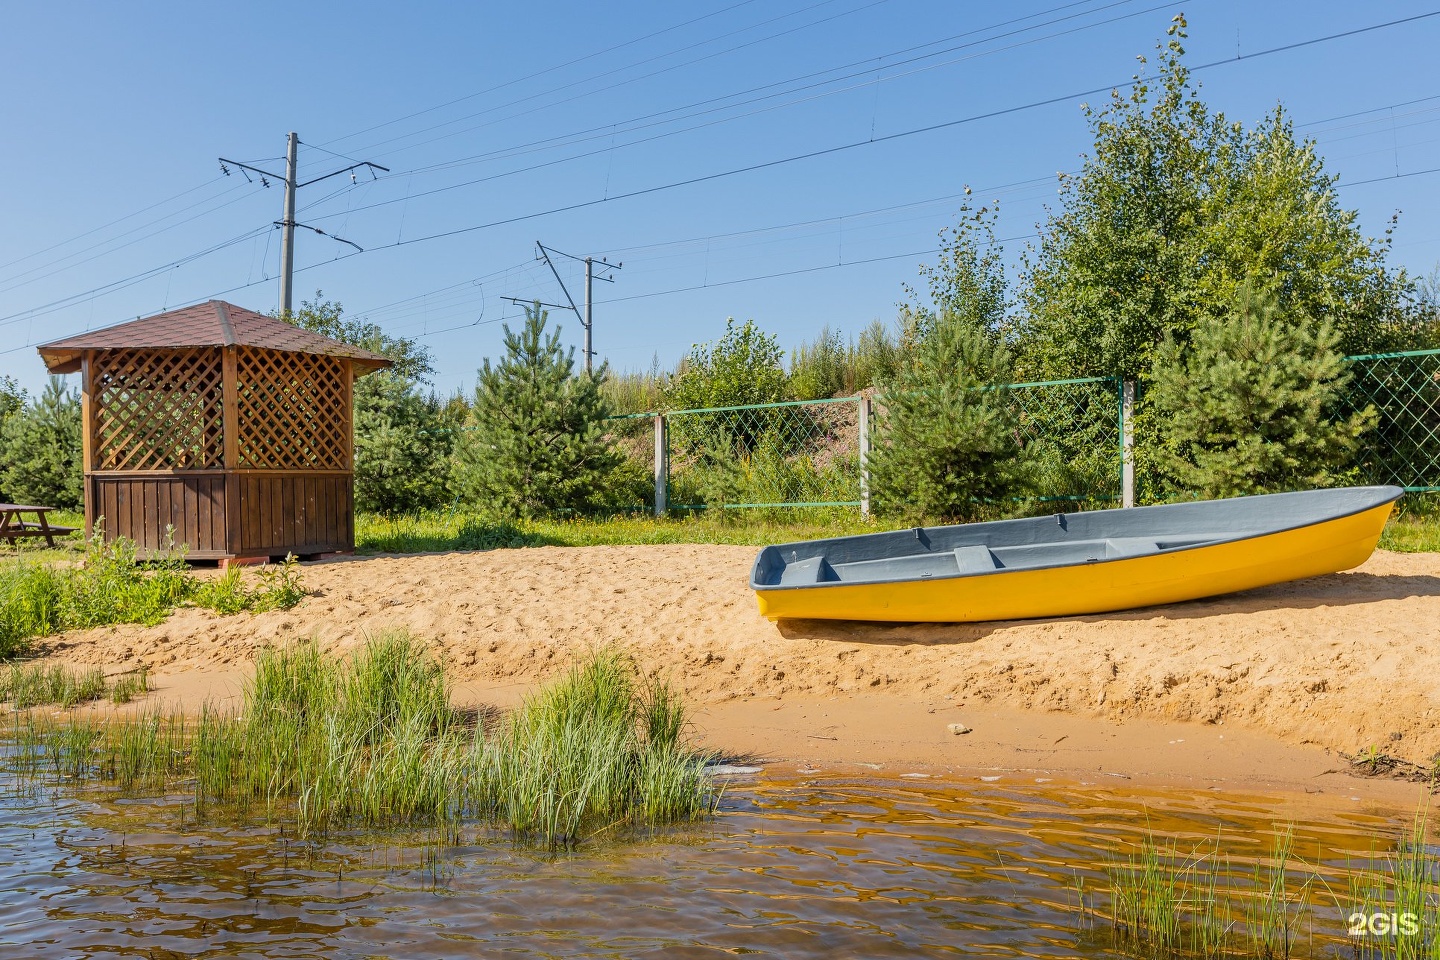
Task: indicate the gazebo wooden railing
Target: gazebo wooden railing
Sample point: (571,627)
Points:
(220,429)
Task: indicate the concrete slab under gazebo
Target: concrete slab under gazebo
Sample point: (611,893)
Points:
(227,430)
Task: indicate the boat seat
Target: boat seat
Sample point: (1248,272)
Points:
(1116,547)
(809,570)
(975,559)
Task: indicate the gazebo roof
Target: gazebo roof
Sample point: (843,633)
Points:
(214,323)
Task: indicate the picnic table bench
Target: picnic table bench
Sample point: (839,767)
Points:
(13,523)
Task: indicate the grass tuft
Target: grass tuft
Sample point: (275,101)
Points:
(370,740)
(112,585)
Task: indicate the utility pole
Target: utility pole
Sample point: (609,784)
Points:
(287,230)
(587,318)
(288,224)
(589,306)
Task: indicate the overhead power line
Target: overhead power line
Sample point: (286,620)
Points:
(541,73)
(900,135)
(831,150)
(288,223)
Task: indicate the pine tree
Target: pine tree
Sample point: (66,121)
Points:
(40,450)
(949,448)
(538,445)
(1250,406)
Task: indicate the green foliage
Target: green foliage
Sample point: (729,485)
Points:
(412,362)
(538,441)
(40,448)
(966,284)
(948,447)
(328,742)
(1173,210)
(112,586)
(877,357)
(12,398)
(745,366)
(281,587)
(635,392)
(818,369)
(403,438)
(1249,406)
(38,684)
(403,442)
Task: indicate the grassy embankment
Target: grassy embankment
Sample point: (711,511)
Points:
(371,740)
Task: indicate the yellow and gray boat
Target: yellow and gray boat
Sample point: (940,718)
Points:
(1073,563)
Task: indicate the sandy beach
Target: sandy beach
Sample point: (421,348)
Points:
(1267,687)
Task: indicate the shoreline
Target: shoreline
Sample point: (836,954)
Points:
(880,736)
(1266,687)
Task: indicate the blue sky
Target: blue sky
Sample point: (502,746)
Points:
(494,119)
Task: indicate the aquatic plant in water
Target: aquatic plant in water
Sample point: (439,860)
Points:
(371,740)
(1166,902)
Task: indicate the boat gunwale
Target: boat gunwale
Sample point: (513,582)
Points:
(966,575)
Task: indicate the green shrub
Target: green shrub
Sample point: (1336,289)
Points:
(539,442)
(1250,406)
(745,366)
(40,449)
(948,447)
(818,370)
(113,586)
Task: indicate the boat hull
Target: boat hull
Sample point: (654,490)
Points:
(1326,546)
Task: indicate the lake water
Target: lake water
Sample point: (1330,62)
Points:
(829,867)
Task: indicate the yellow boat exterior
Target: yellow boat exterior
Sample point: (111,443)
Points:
(1327,546)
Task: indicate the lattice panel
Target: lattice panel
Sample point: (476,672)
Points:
(293,411)
(157,410)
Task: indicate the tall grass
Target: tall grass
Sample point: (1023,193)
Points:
(371,740)
(112,585)
(26,685)
(1198,904)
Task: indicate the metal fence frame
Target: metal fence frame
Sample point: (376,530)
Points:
(1381,392)
(864,419)
(1399,417)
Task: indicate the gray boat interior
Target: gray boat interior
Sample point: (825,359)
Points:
(1061,539)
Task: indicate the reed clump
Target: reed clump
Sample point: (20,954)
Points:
(371,740)
(1168,902)
(26,685)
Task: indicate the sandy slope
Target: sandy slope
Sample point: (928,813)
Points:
(1340,661)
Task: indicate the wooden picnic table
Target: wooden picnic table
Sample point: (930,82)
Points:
(13,523)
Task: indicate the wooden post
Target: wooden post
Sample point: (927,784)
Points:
(1127,444)
(864,446)
(662,465)
(230,441)
(87,442)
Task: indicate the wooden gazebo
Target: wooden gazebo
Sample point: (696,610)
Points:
(232,429)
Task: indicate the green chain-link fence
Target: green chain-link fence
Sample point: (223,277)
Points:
(1073,431)
(807,453)
(1404,447)
(801,453)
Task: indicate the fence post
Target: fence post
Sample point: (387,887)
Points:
(864,446)
(1127,444)
(662,465)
